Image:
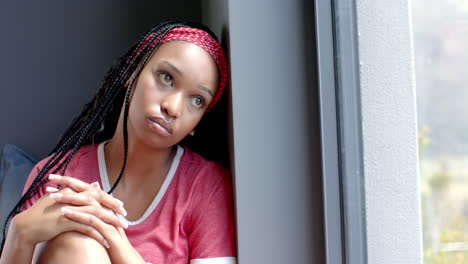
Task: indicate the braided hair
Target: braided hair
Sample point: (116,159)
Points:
(98,119)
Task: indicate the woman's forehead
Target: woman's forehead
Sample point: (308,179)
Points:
(180,48)
(187,58)
(186,55)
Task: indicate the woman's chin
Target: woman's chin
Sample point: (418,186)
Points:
(157,142)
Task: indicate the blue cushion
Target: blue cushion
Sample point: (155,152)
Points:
(15,166)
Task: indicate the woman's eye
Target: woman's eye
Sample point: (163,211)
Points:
(166,79)
(198,101)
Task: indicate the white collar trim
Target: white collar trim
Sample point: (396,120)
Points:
(170,175)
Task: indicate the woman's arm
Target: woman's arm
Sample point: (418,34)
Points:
(120,250)
(41,222)
(16,248)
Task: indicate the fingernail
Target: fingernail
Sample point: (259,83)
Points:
(124,222)
(124,212)
(120,202)
(96,184)
(55,195)
(51,189)
(54,177)
(66,210)
(106,244)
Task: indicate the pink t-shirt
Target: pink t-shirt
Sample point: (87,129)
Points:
(190,220)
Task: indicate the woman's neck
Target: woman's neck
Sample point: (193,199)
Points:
(143,162)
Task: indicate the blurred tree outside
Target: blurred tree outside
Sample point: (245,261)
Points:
(441,60)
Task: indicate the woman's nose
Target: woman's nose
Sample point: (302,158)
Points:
(172,104)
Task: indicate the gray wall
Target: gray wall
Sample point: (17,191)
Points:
(275,140)
(55,53)
(389,132)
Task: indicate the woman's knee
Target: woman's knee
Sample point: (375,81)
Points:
(72,247)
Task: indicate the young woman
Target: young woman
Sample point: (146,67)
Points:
(117,188)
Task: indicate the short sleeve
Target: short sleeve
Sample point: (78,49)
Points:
(212,238)
(32,175)
(78,157)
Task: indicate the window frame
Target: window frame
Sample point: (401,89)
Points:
(341,132)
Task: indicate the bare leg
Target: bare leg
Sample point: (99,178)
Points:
(71,248)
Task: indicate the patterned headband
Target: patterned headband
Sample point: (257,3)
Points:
(206,42)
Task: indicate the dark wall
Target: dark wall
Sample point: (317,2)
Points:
(55,53)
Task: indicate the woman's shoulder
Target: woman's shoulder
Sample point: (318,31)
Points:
(194,160)
(202,170)
(82,153)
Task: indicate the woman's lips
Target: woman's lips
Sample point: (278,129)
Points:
(160,126)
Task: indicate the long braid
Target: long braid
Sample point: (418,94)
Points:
(62,166)
(123,71)
(97,115)
(127,100)
(84,127)
(115,74)
(95,120)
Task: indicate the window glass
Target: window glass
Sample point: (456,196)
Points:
(441,59)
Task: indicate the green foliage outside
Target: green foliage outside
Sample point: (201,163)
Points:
(444,209)
(441,60)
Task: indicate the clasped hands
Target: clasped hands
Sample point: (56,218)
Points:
(78,207)
(89,205)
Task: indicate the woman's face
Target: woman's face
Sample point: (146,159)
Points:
(172,93)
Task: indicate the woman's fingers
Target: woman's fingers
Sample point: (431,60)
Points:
(51,189)
(74,198)
(89,220)
(103,214)
(84,229)
(108,201)
(75,184)
(85,203)
(93,190)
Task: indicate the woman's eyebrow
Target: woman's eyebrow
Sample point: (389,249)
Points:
(179,72)
(174,68)
(206,90)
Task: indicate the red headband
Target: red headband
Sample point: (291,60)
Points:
(206,42)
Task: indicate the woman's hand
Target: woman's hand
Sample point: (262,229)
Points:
(41,222)
(86,194)
(89,198)
(45,220)
(91,206)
